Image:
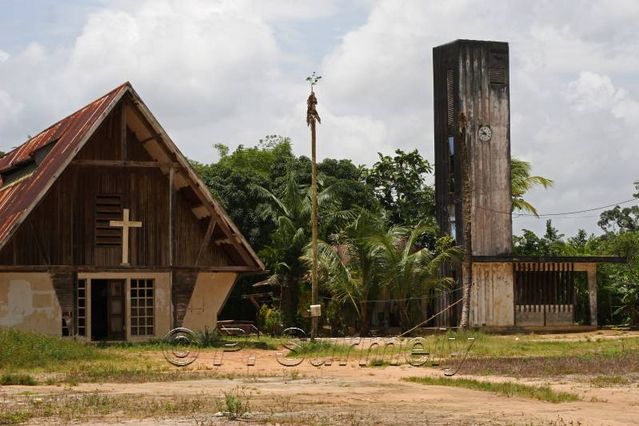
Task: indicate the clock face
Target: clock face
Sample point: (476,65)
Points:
(485,133)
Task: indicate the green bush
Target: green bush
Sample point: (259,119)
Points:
(17,379)
(269,320)
(208,337)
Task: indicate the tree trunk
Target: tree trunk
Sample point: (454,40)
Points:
(405,320)
(385,296)
(467,263)
(364,326)
(289,302)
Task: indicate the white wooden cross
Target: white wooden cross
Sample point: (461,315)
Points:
(125,224)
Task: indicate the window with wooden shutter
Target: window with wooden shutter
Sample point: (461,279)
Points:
(107,208)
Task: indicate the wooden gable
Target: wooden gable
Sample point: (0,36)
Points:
(128,163)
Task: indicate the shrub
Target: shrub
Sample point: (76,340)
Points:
(270,320)
(17,379)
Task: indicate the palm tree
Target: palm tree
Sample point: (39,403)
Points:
(407,270)
(522,182)
(291,212)
(347,268)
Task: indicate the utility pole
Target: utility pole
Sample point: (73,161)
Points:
(312,117)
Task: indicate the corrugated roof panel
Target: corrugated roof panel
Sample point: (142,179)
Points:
(17,198)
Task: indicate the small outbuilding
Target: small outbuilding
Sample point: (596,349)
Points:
(107,233)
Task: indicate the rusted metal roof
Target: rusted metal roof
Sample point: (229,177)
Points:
(63,140)
(18,198)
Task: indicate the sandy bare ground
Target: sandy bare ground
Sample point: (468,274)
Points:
(357,395)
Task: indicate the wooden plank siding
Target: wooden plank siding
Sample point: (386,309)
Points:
(61,229)
(471,65)
(464,82)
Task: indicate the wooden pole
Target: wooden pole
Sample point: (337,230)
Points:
(314,289)
(312,117)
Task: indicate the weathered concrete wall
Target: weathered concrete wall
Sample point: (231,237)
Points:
(210,294)
(162,306)
(28,302)
(492,298)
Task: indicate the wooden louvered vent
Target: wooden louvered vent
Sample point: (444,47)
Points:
(107,208)
(497,70)
(450,97)
(497,76)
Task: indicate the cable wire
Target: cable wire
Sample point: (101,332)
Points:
(568,213)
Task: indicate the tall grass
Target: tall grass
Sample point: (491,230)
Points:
(20,350)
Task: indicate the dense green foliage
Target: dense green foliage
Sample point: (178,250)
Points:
(400,186)
(374,242)
(618,284)
(265,190)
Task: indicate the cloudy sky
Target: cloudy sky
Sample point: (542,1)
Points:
(233,71)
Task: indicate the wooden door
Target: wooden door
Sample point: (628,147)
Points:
(116,309)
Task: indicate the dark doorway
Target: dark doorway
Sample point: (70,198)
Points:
(107,310)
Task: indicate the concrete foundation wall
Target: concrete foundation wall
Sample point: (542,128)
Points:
(209,295)
(28,302)
(492,296)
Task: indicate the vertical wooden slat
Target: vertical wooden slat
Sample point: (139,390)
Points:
(123,136)
(171,225)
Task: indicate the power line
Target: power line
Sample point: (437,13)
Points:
(580,211)
(595,216)
(569,213)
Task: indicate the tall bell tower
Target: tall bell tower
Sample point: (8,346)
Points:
(472,107)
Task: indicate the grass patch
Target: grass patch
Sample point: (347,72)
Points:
(608,381)
(17,379)
(603,364)
(321,348)
(30,350)
(235,404)
(509,389)
(14,417)
(68,408)
(528,345)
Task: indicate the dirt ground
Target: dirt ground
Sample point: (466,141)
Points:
(354,395)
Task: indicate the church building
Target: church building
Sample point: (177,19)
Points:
(107,233)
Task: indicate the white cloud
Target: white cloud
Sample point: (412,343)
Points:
(593,92)
(9,110)
(223,71)
(572,125)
